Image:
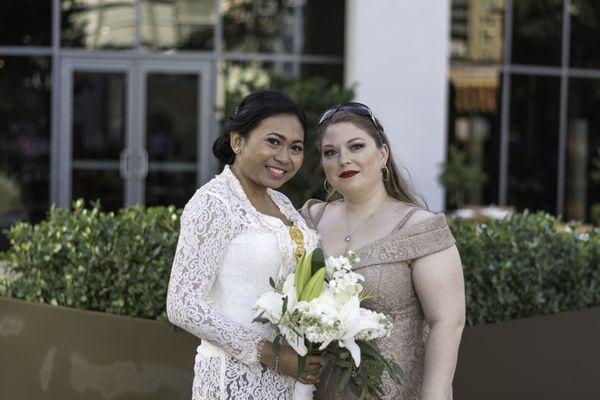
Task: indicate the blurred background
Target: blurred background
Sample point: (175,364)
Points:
(491,107)
(485,101)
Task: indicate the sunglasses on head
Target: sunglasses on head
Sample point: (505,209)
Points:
(354,108)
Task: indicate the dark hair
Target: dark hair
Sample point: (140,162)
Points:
(395,185)
(251,111)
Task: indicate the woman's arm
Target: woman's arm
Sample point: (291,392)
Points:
(207,227)
(438,281)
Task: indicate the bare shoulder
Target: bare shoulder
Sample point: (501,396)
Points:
(418,216)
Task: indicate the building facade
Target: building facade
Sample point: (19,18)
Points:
(120,100)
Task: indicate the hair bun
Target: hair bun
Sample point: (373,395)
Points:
(222,149)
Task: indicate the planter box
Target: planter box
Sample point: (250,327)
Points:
(66,354)
(547,358)
(61,353)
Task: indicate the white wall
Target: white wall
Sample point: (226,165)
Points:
(396,51)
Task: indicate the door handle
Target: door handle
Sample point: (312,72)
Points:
(143,164)
(124,159)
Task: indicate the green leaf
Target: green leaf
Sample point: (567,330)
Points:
(317,261)
(301,366)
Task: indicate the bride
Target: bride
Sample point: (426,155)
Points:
(236,233)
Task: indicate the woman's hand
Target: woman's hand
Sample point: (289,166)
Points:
(286,362)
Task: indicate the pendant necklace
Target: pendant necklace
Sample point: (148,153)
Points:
(348,237)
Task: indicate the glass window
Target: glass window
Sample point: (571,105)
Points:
(24,139)
(265,26)
(533,142)
(330,72)
(477,31)
(98,24)
(99,123)
(585,33)
(179,24)
(474,126)
(238,79)
(323,27)
(171,137)
(537,27)
(25,22)
(582,189)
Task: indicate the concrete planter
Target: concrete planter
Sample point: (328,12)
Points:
(61,353)
(547,358)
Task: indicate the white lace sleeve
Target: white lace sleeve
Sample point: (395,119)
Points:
(207,227)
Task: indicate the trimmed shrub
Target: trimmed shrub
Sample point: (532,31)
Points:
(521,266)
(525,265)
(89,259)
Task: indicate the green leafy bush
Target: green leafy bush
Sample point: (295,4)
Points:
(525,265)
(120,263)
(94,260)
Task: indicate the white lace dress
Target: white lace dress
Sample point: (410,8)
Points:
(226,253)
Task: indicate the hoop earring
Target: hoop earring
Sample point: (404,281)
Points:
(329,190)
(385,173)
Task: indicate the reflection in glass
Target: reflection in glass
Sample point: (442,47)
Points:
(533,147)
(178,24)
(474,124)
(172,130)
(98,24)
(169,188)
(99,120)
(258,25)
(98,115)
(330,72)
(25,83)
(104,185)
(323,27)
(582,189)
(537,32)
(25,22)
(238,79)
(585,33)
(477,29)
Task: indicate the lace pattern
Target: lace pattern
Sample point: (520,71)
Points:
(226,252)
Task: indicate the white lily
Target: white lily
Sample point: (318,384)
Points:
(270,304)
(352,323)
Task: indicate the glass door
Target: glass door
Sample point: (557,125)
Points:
(96,133)
(175,141)
(134,132)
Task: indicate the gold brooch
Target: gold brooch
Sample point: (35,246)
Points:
(297,237)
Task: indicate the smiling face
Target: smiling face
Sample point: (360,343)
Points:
(351,159)
(271,154)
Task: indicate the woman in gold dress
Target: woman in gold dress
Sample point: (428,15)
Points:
(407,254)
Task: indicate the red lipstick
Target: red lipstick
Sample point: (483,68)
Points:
(348,174)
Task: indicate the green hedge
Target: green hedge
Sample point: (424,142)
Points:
(94,260)
(527,265)
(120,263)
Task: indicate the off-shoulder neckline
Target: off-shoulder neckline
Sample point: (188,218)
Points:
(435,221)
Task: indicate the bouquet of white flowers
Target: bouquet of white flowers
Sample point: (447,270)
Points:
(317,309)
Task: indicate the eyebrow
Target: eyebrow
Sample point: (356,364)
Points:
(349,141)
(283,138)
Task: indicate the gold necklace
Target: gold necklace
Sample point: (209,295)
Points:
(348,237)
